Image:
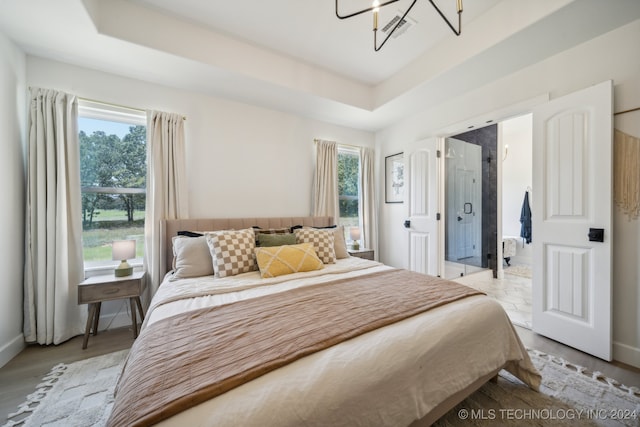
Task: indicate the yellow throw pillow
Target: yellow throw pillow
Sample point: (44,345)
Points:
(276,261)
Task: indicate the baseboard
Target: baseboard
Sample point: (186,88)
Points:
(626,354)
(11,349)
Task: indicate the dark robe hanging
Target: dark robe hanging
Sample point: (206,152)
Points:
(525,219)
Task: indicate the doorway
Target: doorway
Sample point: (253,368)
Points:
(502,153)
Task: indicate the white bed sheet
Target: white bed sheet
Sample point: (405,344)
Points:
(388,377)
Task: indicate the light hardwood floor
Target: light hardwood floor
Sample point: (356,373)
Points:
(20,376)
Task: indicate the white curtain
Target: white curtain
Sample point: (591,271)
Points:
(325,181)
(368,200)
(166,185)
(53,224)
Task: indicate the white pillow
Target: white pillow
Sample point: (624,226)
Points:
(191,257)
(339,244)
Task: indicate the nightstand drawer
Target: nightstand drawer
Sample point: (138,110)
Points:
(100,292)
(105,288)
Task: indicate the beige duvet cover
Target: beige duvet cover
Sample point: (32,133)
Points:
(390,376)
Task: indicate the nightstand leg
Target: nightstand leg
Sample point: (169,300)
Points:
(134,322)
(140,310)
(92,313)
(96,317)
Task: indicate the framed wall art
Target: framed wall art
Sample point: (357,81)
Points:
(394,178)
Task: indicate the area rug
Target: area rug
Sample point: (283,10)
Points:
(81,394)
(570,395)
(73,395)
(519,270)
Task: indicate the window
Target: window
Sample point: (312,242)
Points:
(349,188)
(113,170)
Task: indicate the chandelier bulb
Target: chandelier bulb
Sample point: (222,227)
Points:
(376,9)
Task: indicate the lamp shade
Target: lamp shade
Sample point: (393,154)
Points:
(355,233)
(123,250)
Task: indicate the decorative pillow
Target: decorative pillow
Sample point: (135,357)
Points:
(339,244)
(189,233)
(283,230)
(191,257)
(276,261)
(322,241)
(295,227)
(265,240)
(268,231)
(232,251)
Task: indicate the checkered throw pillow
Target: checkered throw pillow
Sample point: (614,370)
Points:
(322,241)
(232,251)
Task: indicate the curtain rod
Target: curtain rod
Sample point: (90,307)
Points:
(315,141)
(626,111)
(113,104)
(117,105)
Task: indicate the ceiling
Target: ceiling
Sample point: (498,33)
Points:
(310,31)
(296,56)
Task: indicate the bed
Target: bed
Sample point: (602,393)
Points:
(408,371)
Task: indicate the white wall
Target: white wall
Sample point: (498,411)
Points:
(517,135)
(611,56)
(12,141)
(241,160)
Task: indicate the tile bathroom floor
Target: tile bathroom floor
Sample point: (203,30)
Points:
(513,293)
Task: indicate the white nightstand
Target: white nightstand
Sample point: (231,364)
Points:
(96,289)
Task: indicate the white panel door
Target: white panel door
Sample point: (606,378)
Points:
(572,196)
(422,223)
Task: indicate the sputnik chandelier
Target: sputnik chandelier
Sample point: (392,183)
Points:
(375,8)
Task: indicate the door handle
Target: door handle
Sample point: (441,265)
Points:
(596,235)
(470,206)
(407,224)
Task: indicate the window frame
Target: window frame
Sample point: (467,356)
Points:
(113,113)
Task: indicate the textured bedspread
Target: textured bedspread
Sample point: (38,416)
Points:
(192,357)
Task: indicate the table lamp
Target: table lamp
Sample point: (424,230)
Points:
(123,250)
(355,236)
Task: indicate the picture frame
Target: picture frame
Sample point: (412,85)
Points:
(394,178)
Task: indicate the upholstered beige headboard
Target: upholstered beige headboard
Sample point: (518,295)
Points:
(170,228)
